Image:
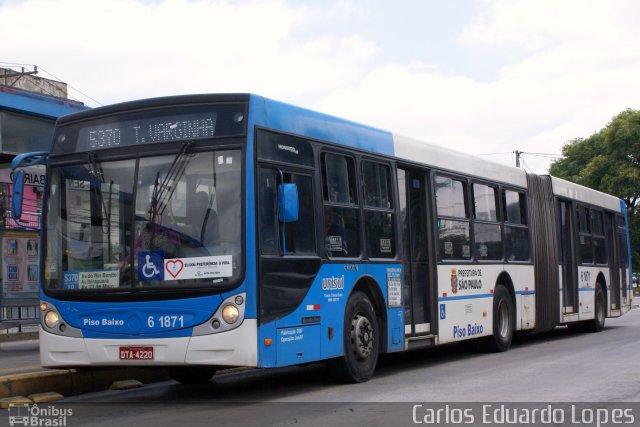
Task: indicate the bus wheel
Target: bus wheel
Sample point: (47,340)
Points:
(503,321)
(192,374)
(597,324)
(361,341)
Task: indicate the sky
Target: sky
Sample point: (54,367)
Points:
(484,77)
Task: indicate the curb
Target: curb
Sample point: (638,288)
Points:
(69,382)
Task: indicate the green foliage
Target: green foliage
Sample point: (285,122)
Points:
(609,161)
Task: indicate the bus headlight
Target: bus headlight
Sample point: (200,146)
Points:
(51,319)
(230,314)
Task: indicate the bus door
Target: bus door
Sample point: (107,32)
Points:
(614,262)
(418,283)
(621,259)
(568,261)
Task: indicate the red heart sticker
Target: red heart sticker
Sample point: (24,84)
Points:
(174,267)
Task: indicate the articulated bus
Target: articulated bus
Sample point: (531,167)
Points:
(198,232)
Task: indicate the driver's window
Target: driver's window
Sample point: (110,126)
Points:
(299,235)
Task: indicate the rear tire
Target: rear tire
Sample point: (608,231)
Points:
(361,341)
(503,321)
(192,374)
(597,323)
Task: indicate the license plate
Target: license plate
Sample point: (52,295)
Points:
(136,353)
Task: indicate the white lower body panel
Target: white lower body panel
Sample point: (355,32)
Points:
(238,347)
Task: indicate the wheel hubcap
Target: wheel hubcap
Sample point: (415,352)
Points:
(503,319)
(361,336)
(600,308)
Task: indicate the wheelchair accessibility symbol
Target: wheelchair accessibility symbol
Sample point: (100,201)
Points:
(151,265)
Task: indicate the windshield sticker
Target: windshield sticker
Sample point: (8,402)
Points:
(151,266)
(198,268)
(99,279)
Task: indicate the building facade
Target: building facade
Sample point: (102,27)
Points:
(29,107)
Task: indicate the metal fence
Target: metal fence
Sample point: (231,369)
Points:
(19,315)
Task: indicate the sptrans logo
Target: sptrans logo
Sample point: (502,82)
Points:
(32,416)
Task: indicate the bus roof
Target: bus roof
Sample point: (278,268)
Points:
(578,192)
(324,127)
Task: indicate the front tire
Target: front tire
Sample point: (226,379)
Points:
(361,338)
(503,321)
(597,323)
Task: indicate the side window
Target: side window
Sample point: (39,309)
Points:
(299,235)
(516,232)
(341,210)
(338,183)
(267,216)
(487,232)
(484,199)
(378,213)
(585,240)
(599,240)
(453,219)
(515,208)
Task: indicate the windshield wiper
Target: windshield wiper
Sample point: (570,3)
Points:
(162,191)
(97,187)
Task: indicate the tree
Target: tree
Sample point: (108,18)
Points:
(609,161)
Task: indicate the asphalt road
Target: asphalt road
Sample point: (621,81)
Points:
(559,366)
(19,357)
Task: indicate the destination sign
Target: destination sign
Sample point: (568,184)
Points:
(166,128)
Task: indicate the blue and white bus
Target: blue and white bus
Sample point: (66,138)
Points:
(208,231)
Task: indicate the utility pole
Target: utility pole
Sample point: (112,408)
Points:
(518,153)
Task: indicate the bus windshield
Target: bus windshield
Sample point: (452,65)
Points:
(148,222)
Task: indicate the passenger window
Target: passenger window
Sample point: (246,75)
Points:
(516,232)
(338,179)
(484,199)
(487,237)
(584,223)
(341,211)
(514,207)
(454,241)
(377,188)
(451,196)
(378,215)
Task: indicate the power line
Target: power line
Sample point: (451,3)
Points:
(526,166)
(15,64)
(74,88)
(495,154)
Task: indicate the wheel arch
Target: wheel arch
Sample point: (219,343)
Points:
(370,287)
(505,280)
(602,281)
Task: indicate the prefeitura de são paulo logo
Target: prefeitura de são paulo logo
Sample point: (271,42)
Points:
(33,415)
(454,281)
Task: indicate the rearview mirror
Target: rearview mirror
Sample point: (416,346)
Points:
(287,202)
(16,198)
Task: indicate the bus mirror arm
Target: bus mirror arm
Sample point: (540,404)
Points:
(23,160)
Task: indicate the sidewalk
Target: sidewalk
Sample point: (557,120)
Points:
(21,375)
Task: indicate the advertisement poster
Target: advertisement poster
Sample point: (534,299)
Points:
(20,265)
